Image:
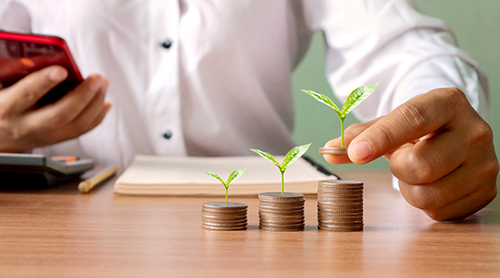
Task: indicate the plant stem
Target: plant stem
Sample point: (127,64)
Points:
(226,195)
(342,131)
(282,182)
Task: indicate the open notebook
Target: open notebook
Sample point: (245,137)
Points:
(184,176)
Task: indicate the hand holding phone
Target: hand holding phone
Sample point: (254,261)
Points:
(24,124)
(21,54)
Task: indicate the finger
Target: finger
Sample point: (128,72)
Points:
(419,116)
(26,92)
(429,159)
(349,134)
(71,105)
(465,180)
(84,122)
(464,207)
(88,120)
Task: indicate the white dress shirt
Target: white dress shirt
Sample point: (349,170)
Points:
(213,77)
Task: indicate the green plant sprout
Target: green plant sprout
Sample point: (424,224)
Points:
(353,100)
(234,175)
(290,157)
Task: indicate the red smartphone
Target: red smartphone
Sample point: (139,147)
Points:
(22,53)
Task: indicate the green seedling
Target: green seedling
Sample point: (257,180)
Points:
(234,175)
(290,157)
(353,100)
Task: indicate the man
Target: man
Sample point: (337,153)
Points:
(213,78)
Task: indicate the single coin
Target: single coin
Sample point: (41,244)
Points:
(224,228)
(281,225)
(224,221)
(271,208)
(341,222)
(342,191)
(340,211)
(278,196)
(278,229)
(333,150)
(340,183)
(330,229)
(281,213)
(281,221)
(222,216)
(339,203)
(211,220)
(228,212)
(332,213)
(346,208)
(216,223)
(339,199)
(340,217)
(282,204)
(276,208)
(281,208)
(281,216)
(325,214)
(223,224)
(224,206)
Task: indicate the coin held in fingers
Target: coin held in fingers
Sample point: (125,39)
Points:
(333,150)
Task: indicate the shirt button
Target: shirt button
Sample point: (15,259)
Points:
(167,43)
(167,135)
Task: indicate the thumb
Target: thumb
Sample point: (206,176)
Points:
(349,134)
(410,121)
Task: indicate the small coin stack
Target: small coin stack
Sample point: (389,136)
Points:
(281,212)
(220,216)
(340,205)
(333,150)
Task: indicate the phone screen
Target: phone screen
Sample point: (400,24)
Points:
(19,58)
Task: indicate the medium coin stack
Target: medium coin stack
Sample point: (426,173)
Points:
(224,217)
(340,205)
(281,212)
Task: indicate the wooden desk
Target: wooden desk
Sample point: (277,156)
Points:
(62,233)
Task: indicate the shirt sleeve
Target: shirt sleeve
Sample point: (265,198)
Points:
(390,42)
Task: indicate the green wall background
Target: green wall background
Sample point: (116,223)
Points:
(477,27)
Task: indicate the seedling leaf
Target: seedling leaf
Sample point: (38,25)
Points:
(356,97)
(267,156)
(323,99)
(217,177)
(234,175)
(294,154)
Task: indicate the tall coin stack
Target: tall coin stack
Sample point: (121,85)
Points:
(281,212)
(224,217)
(340,205)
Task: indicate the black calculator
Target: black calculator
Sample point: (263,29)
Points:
(32,171)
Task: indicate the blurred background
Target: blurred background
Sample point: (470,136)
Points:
(476,25)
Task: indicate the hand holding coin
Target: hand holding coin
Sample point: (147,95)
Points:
(438,147)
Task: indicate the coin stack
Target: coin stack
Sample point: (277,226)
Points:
(340,205)
(281,212)
(224,217)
